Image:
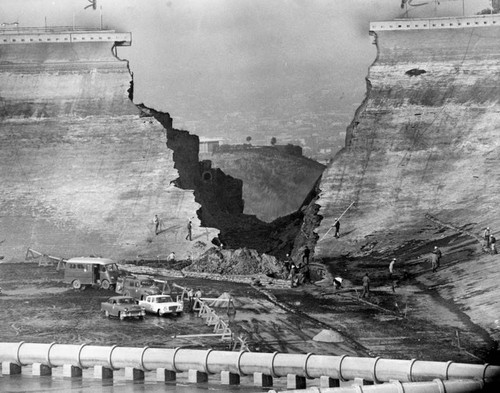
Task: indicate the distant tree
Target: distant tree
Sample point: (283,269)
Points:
(273,141)
(249,138)
(494,8)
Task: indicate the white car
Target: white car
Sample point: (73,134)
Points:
(161,305)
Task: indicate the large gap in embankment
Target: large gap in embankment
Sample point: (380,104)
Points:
(221,200)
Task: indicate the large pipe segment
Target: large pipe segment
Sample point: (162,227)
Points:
(275,364)
(155,358)
(435,386)
(219,361)
(122,357)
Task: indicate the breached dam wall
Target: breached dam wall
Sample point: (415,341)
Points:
(422,142)
(83,171)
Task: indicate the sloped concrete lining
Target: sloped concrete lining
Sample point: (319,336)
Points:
(423,144)
(83,169)
(419,144)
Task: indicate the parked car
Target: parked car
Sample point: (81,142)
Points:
(137,286)
(161,305)
(122,307)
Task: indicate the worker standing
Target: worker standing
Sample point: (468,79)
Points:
(366,286)
(189,228)
(439,254)
(434,262)
(190,295)
(156,221)
(391,267)
(337,228)
(305,255)
(486,236)
(293,276)
(391,274)
(493,245)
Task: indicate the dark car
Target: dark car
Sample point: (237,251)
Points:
(122,307)
(137,286)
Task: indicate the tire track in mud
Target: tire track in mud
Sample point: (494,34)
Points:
(359,348)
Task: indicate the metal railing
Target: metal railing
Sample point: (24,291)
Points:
(50,29)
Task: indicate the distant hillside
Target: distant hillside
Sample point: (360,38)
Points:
(275,182)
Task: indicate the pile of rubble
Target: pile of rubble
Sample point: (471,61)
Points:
(242,261)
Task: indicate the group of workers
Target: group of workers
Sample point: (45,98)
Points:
(158,223)
(490,241)
(191,296)
(298,273)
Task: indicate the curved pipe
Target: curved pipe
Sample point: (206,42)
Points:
(245,363)
(435,386)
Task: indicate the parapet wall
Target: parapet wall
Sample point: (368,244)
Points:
(437,23)
(68,37)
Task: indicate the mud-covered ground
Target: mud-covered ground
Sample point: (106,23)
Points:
(38,307)
(410,322)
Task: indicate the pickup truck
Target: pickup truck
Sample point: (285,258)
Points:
(161,305)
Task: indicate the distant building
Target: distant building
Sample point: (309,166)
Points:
(208,145)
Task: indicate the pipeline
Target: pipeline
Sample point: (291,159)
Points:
(275,364)
(435,386)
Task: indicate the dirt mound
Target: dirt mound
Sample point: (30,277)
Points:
(328,336)
(242,261)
